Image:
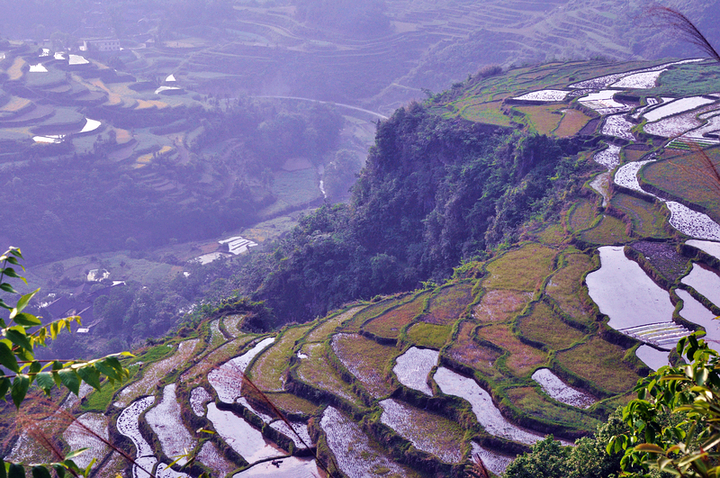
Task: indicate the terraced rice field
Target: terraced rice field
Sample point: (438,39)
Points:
(367,360)
(544,326)
(521,269)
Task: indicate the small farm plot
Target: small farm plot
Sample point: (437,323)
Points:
(664,258)
(601,363)
(328,326)
(164,471)
(292,404)
(646,217)
(427,335)
(211,360)
(166,422)
(603,102)
(493,461)
(618,126)
(500,305)
(216,335)
(581,216)
(129,426)
(368,312)
(299,433)
(355,453)
(566,289)
(608,157)
(84,433)
(692,223)
(241,436)
(571,123)
(652,357)
(522,358)
(610,230)
(705,281)
(198,398)
(676,107)
(154,373)
(390,323)
(620,288)
(366,360)
(227,379)
(315,370)
(533,403)
(639,81)
(448,305)
(697,313)
(544,326)
(288,467)
(413,368)
(544,95)
(520,269)
(428,432)
(211,458)
(543,119)
(487,413)
(673,126)
(268,371)
(466,351)
(232,324)
(709,247)
(626,176)
(560,391)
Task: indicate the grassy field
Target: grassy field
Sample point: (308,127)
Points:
(602,363)
(466,350)
(327,327)
(392,321)
(543,119)
(369,361)
(429,335)
(268,369)
(571,124)
(371,311)
(543,325)
(566,288)
(500,305)
(646,217)
(530,401)
(315,370)
(581,216)
(448,305)
(681,174)
(489,113)
(523,359)
(520,269)
(611,230)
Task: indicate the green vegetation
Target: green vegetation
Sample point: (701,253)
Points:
(268,370)
(581,216)
(521,269)
(465,350)
(316,370)
(610,230)
(391,322)
(601,363)
(530,401)
(565,287)
(647,220)
(429,335)
(544,326)
(521,359)
(448,305)
(367,360)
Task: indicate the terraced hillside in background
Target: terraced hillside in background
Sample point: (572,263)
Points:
(542,337)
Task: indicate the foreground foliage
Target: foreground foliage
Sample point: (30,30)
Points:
(25,332)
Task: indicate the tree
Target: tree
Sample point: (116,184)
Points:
(23,333)
(674,424)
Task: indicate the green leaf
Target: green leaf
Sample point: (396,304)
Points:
(91,376)
(40,472)
(75,453)
(4,387)
(106,370)
(8,288)
(10,272)
(4,305)
(15,252)
(23,302)
(60,470)
(27,320)
(70,379)
(16,471)
(7,358)
(20,385)
(45,381)
(18,336)
(649,448)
